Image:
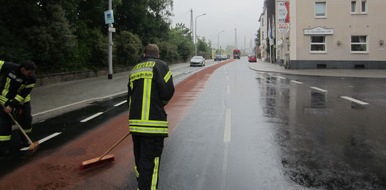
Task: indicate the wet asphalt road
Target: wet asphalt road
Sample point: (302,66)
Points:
(249,130)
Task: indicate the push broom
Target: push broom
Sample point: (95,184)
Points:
(33,146)
(104,158)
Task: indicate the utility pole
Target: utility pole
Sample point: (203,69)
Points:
(236,38)
(110,44)
(191,23)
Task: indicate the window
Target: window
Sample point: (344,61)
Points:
(364,6)
(358,44)
(359,7)
(320,9)
(353,6)
(318,44)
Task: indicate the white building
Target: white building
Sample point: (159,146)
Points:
(330,33)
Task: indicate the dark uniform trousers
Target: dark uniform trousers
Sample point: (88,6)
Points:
(24,119)
(147,151)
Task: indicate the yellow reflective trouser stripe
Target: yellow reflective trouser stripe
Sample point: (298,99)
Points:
(155,174)
(149,130)
(168,76)
(1,64)
(5,138)
(136,171)
(146,99)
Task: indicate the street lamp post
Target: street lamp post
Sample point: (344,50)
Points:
(218,39)
(110,48)
(195,32)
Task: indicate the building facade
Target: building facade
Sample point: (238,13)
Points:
(345,34)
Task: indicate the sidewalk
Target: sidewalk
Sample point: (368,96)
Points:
(360,73)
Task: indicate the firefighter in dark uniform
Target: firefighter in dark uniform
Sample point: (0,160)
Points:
(150,88)
(16,85)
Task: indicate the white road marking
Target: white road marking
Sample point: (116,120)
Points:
(92,117)
(228,89)
(44,139)
(225,165)
(120,103)
(281,77)
(354,100)
(228,125)
(297,82)
(318,89)
(227,78)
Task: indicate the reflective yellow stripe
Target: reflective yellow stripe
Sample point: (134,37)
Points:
(19,98)
(27,99)
(141,75)
(151,123)
(6,87)
(146,99)
(5,138)
(23,100)
(3,100)
(136,171)
(155,174)
(149,64)
(168,76)
(28,130)
(30,85)
(1,64)
(149,130)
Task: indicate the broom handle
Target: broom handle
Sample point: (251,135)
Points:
(21,129)
(111,148)
(19,126)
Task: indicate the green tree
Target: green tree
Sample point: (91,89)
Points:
(128,48)
(182,37)
(203,48)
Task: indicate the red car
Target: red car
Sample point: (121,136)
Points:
(252,58)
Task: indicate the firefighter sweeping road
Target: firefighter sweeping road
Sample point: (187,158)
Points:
(231,127)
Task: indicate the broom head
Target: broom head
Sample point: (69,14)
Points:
(96,161)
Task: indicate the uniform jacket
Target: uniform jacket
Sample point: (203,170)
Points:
(15,88)
(150,88)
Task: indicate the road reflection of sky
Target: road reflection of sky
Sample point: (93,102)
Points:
(326,142)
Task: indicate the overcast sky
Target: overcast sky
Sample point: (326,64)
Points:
(221,15)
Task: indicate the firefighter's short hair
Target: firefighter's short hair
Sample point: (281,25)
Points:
(151,50)
(28,65)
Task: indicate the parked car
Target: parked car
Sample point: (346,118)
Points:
(252,58)
(217,58)
(197,61)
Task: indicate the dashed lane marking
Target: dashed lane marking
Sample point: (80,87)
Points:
(228,89)
(297,82)
(92,117)
(354,100)
(318,89)
(44,139)
(228,125)
(120,103)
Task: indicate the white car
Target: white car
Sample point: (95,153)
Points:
(197,61)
